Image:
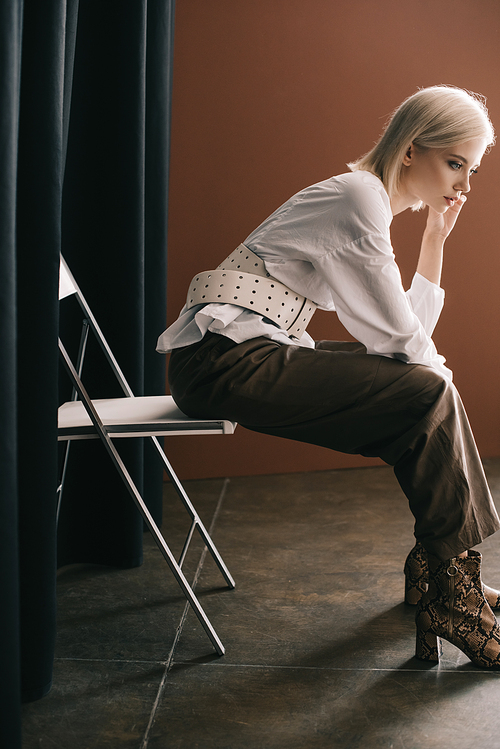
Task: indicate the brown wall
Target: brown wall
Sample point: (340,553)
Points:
(273,95)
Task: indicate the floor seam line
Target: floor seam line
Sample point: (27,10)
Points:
(336,668)
(182,621)
(160,662)
(218,664)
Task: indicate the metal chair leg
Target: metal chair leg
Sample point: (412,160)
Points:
(194,515)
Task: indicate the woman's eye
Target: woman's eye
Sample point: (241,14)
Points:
(473,171)
(455,165)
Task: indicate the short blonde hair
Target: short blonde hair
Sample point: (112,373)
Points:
(434,117)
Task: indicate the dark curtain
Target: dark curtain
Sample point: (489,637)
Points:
(85,108)
(114,239)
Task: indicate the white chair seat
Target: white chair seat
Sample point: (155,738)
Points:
(139,416)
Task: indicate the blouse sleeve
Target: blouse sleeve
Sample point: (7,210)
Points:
(373,306)
(426,300)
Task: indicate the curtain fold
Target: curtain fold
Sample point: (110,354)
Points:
(84,126)
(10,70)
(103,242)
(159,67)
(38,222)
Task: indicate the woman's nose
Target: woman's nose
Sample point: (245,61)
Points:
(464,184)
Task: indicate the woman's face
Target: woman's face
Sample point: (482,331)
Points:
(438,176)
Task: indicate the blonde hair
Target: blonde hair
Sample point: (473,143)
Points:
(434,117)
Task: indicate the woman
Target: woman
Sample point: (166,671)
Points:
(240,351)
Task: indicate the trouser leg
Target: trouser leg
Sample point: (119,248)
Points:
(339,397)
(438,466)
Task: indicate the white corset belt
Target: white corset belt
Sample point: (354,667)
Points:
(242,279)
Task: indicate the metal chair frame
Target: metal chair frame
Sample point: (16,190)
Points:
(89,419)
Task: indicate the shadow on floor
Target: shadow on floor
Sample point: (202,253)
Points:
(319,646)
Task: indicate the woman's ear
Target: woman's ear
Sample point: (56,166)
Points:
(408,155)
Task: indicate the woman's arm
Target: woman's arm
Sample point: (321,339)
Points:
(372,304)
(438,228)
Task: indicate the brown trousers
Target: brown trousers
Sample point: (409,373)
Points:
(338,396)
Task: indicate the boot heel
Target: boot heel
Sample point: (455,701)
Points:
(428,646)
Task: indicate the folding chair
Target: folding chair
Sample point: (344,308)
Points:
(130,416)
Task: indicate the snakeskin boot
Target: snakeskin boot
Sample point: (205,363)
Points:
(454,608)
(416,572)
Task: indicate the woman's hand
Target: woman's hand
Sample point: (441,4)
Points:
(441,224)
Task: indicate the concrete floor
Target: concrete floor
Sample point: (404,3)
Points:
(319,644)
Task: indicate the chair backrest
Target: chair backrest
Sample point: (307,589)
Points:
(68,287)
(67,284)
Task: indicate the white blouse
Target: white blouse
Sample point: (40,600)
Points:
(331,243)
